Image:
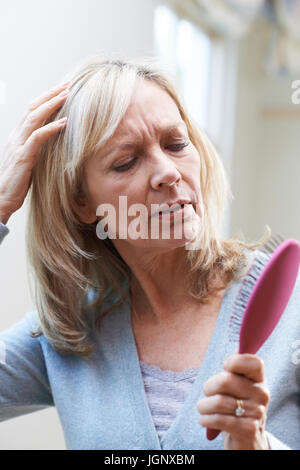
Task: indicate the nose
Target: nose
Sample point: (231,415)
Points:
(164,172)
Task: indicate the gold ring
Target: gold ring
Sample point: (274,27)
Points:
(240,410)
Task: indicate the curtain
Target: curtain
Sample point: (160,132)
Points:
(234,18)
(230,18)
(284,57)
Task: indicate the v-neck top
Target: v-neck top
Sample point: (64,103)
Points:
(166,391)
(102,402)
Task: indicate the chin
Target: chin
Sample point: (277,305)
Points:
(171,240)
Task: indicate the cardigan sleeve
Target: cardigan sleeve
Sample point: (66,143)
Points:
(24,385)
(4,230)
(276,444)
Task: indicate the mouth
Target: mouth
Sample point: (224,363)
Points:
(175,206)
(173,209)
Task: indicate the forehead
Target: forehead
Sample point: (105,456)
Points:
(151,106)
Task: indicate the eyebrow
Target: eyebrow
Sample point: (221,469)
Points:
(129,145)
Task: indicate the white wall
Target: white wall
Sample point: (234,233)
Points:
(266,163)
(39,42)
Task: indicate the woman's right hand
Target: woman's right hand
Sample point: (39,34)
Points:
(24,143)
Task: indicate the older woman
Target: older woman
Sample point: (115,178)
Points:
(130,333)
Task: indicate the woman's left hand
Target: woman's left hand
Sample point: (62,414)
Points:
(244,380)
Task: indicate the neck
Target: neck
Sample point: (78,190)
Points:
(158,287)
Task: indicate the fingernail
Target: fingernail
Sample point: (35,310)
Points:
(63,121)
(225,363)
(63,85)
(65,92)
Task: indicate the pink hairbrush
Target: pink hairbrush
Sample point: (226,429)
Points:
(268,301)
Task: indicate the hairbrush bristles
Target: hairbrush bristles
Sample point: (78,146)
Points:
(270,246)
(260,260)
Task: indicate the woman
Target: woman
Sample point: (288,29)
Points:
(130,333)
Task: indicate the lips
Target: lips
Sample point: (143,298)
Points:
(172,209)
(173,206)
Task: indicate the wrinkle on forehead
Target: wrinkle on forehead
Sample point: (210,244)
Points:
(167,129)
(150,105)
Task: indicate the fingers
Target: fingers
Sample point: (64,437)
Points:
(244,429)
(246,364)
(46,96)
(224,404)
(239,387)
(23,146)
(40,136)
(39,111)
(243,379)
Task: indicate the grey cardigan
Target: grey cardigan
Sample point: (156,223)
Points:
(102,402)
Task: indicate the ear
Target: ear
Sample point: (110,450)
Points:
(84,211)
(85,215)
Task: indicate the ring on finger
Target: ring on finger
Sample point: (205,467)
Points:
(240,410)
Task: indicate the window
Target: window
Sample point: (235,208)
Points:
(178,43)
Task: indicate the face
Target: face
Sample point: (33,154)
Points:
(148,153)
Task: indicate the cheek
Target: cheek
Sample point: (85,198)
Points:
(191,165)
(192,171)
(101,189)
(121,196)
(194,182)
(196,161)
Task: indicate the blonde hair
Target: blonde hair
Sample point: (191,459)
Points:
(66,257)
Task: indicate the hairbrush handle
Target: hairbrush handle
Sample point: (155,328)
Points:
(211,434)
(268,301)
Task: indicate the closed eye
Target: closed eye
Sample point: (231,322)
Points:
(132,162)
(126,166)
(179,147)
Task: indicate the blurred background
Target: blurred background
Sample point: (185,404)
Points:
(237,64)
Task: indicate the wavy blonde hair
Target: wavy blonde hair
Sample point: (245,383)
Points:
(66,257)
